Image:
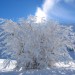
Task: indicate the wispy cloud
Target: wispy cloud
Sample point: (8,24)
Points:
(69,1)
(47,6)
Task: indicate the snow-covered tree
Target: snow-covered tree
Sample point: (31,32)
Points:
(36,45)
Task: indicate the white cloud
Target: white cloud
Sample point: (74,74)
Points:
(48,4)
(47,7)
(42,12)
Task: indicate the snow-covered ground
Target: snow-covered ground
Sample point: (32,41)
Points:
(3,64)
(61,68)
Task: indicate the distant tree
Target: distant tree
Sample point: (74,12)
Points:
(36,45)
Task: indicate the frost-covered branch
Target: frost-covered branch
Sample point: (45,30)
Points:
(37,45)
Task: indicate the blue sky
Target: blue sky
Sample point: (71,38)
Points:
(60,10)
(13,9)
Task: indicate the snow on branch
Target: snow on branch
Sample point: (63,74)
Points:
(36,45)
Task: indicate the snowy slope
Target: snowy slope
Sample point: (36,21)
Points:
(4,67)
(60,71)
(60,68)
